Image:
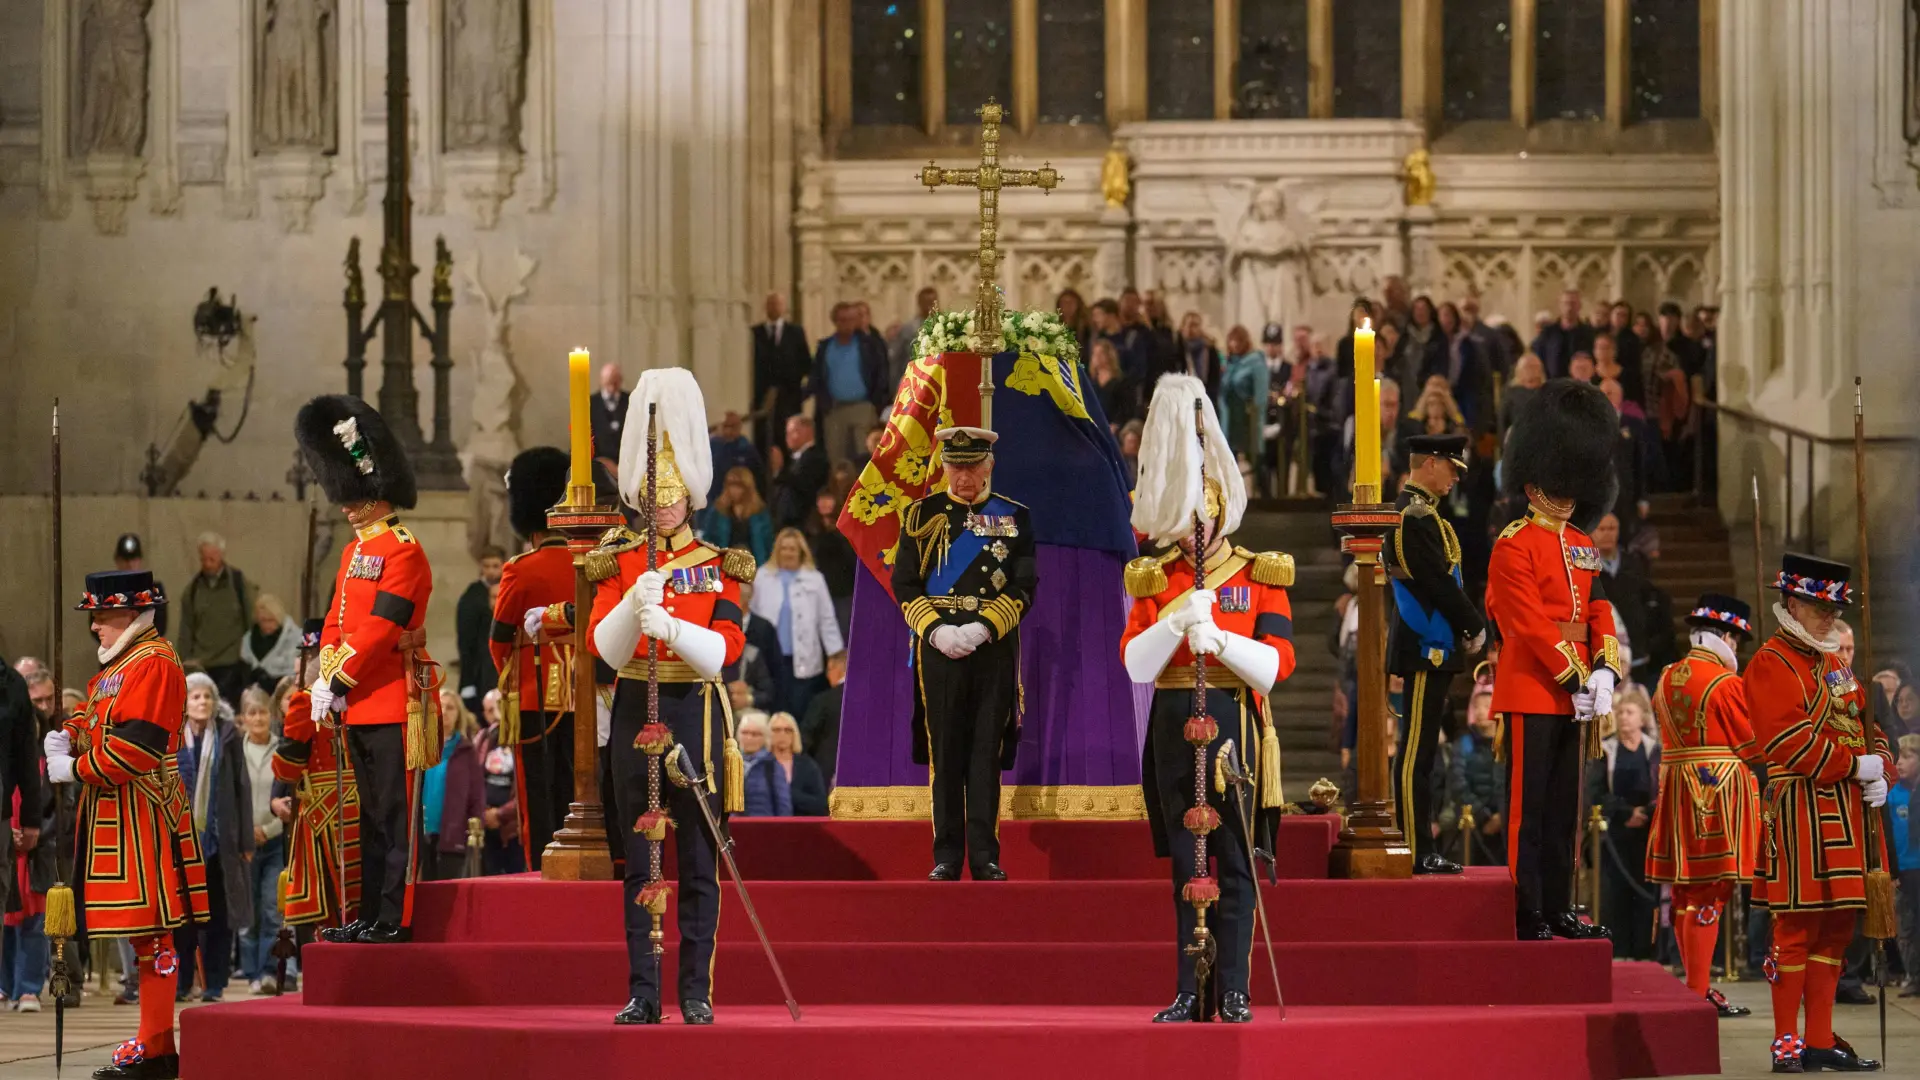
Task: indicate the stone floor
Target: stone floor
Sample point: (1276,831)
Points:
(26,1042)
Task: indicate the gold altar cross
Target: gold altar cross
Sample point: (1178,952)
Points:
(989,177)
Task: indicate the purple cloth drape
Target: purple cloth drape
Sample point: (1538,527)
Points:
(1081,726)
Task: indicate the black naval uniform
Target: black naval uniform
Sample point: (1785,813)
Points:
(955,565)
(1424,560)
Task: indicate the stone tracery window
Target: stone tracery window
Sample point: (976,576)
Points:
(1663,60)
(979,41)
(1179,60)
(1366,58)
(1570,59)
(885,61)
(1271,75)
(1477,60)
(1073,61)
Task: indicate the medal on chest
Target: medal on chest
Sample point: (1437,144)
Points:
(1841,684)
(1235,599)
(696,579)
(109,685)
(990,524)
(367,567)
(1583,557)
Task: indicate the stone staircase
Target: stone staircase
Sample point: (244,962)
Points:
(1696,556)
(1303,705)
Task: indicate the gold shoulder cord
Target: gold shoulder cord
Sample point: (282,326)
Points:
(932,537)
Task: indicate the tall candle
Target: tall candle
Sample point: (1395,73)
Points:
(579,417)
(1366,413)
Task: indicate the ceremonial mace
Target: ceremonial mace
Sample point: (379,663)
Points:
(1201,890)
(62,919)
(680,770)
(654,740)
(1234,772)
(1881,922)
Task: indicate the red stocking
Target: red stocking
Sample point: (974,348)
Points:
(1792,932)
(1826,956)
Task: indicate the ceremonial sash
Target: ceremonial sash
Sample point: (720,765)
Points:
(1435,632)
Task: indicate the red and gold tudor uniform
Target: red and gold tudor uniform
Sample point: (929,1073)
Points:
(1811,720)
(138,870)
(538,681)
(308,763)
(702,589)
(1252,603)
(1556,629)
(1706,823)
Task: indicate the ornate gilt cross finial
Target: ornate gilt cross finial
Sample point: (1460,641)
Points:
(989,178)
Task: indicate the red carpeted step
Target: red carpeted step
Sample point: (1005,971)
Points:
(1478,907)
(959,973)
(1650,1026)
(819,849)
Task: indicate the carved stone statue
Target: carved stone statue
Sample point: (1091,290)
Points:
(498,395)
(1115,184)
(113,77)
(1912,71)
(1418,175)
(486,73)
(297,81)
(1269,243)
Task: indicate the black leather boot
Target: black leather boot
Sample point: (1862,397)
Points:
(1185,1007)
(345,935)
(1837,1058)
(1529,926)
(638,1011)
(1235,1008)
(1568,925)
(696,1012)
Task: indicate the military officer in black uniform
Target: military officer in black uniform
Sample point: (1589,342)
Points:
(1435,629)
(964,575)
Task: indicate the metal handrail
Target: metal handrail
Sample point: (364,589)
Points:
(1801,433)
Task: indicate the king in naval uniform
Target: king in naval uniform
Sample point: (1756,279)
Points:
(1706,823)
(964,575)
(1560,658)
(374,667)
(690,605)
(1434,630)
(1827,769)
(1239,623)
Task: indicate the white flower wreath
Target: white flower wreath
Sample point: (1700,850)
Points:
(1032,333)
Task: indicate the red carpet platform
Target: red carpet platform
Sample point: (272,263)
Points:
(1053,973)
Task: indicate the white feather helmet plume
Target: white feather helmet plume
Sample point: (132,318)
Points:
(685,458)
(1169,492)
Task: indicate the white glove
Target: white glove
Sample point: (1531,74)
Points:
(1583,705)
(1600,683)
(951,643)
(975,634)
(1198,609)
(656,623)
(322,692)
(58,742)
(532,619)
(1874,794)
(648,588)
(1206,639)
(1866,768)
(60,771)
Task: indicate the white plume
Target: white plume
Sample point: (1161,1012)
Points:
(683,422)
(1168,492)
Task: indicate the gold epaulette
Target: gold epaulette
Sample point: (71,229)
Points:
(1513,528)
(1144,577)
(1271,568)
(403,534)
(1417,508)
(738,564)
(603,561)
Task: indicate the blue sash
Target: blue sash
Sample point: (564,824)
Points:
(961,551)
(1436,634)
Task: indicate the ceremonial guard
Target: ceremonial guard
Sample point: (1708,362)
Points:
(533,618)
(964,575)
(310,762)
(1706,823)
(1827,769)
(690,605)
(1236,620)
(1559,658)
(138,872)
(374,668)
(1435,629)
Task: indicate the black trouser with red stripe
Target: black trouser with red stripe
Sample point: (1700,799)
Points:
(1543,793)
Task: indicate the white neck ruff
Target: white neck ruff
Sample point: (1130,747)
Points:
(141,622)
(1828,644)
(1717,645)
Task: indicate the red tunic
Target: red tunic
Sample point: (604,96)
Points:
(1706,824)
(1553,629)
(1810,718)
(306,758)
(138,861)
(711,596)
(1245,607)
(380,594)
(541,578)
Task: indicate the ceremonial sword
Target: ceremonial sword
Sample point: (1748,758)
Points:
(1234,772)
(683,775)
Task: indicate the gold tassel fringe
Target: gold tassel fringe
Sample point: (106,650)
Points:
(1882,922)
(1144,577)
(736,778)
(510,717)
(423,745)
(1270,795)
(61,921)
(280,888)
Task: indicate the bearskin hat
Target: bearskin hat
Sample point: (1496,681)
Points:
(1562,443)
(536,480)
(353,453)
